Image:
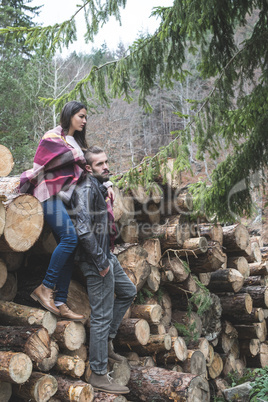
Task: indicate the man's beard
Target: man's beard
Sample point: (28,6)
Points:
(102,179)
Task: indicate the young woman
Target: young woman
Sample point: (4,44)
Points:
(58,165)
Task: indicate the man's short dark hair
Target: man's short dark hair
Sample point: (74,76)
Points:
(90,151)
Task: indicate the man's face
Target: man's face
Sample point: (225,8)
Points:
(99,167)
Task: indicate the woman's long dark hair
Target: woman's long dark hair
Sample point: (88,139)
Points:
(68,111)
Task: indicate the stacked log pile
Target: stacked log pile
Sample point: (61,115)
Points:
(201,310)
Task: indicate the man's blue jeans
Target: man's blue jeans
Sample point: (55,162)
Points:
(59,272)
(107,310)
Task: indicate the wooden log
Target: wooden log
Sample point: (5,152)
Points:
(153,248)
(73,390)
(104,397)
(46,242)
(9,290)
(134,331)
(179,202)
(133,260)
(129,233)
(153,279)
(257,268)
(81,353)
(226,343)
(3,273)
(187,286)
(254,252)
(194,245)
(151,313)
(171,234)
(259,295)
(177,267)
(229,364)
(18,314)
(72,366)
(191,322)
(120,372)
(24,223)
(252,331)
(216,367)
(240,303)
(123,208)
(149,213)
(140,194)
(157,329)
(78,300)
(33,341)
(169,175)
(210,356)
(178,352)
(235,237)
(201,344)
(211,232)
(226,280)
(6,161)
(195,363)
(250,347)
(211,320)
(155,344)
(256,315)
(49,362)
(70,334)
(15,367)
(166,304)
(212,260)
(40,387)
(163,385)
(261,359)
(204,277)
(172,331)
(5,391)
(239,263)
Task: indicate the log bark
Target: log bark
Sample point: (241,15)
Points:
(73,390)
(250,347)
(191,321)
(104,397)
(239,263)
(40,387)
(69,334)
(133,331)
(153,279)
(252,331)
(123,208)
(151,313)
(257,315)
(177,267)
(18,314)
(226,280)
(15,367)
(235,237)
(156,344)
(240,303)
(212,260)
(194,245)
(72,366)
(257,268)
(255,281)
(24,223)
(133,260)
(254,253)
(33,341)
(163,385)
(6,161)
(259,295)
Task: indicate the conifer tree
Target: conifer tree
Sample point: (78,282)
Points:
(236,109)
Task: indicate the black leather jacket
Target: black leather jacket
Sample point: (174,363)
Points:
(89,210)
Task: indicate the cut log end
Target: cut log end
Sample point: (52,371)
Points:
(20,368)
(6,161)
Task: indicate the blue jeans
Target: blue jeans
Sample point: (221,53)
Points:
(107,311)
(59,272)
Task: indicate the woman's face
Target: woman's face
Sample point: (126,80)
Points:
(78,121)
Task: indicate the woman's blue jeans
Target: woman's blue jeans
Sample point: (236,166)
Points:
(59,272)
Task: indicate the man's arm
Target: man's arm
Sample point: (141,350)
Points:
(82,203)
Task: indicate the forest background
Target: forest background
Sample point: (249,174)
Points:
(195,90)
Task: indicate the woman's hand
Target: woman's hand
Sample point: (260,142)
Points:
(111,194)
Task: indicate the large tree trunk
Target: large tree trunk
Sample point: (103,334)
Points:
(163,385)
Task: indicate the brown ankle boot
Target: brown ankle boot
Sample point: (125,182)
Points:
(68,314)
(106,383)
(44,296)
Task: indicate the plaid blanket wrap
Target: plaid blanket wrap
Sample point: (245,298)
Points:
(57,166)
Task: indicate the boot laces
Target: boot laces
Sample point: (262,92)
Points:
(110,379)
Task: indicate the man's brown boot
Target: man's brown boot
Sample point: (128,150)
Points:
(112,356)
(68,314)
(44,296)
(106,383)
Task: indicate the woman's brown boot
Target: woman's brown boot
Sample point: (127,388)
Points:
(44,296)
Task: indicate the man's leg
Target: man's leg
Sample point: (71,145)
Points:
(125,292)
(101,299)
